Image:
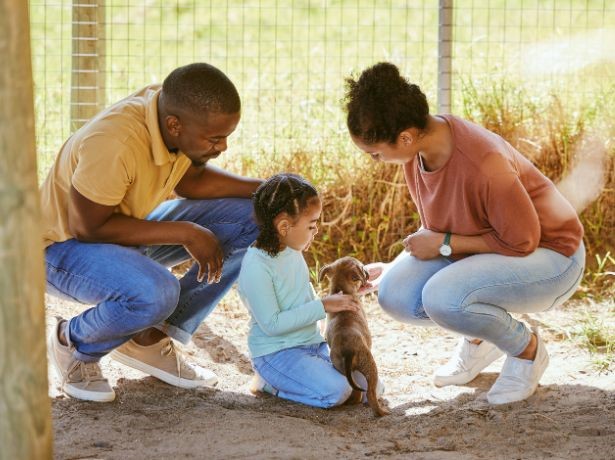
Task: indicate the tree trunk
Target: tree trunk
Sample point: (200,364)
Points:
(25,415)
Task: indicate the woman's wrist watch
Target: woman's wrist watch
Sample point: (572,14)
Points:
(445,248)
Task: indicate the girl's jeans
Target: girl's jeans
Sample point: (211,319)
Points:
(306,375)
(475,296)
(131,289)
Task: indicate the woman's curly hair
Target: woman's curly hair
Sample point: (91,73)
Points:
(382,103)
(284,192)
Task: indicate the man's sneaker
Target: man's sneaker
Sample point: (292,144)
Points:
(258,385)
(163,361)
(466,363)
(519,377)
(80,380)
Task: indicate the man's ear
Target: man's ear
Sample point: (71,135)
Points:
(324,271)
(173,125)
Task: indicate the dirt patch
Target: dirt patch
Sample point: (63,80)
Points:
(572,414)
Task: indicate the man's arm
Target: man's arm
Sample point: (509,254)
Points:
(92,222)
(212,182)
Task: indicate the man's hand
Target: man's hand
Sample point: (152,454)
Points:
(339,302)
(205,249)
(424,244)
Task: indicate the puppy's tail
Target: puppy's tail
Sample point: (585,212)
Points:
(349,357)
(367,366)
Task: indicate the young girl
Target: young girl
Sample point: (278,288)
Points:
(289,355)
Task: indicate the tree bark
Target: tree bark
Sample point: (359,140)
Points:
(25,413)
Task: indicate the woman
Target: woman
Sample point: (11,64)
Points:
(496,236)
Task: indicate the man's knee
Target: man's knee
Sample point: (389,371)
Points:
(158,297)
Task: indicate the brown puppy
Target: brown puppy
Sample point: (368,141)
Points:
(347,332)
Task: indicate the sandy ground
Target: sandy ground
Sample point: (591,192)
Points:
(572,415)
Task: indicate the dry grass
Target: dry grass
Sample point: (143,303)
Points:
(560,141)
(367,208)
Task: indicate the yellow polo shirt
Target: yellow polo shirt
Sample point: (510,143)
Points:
(117,159)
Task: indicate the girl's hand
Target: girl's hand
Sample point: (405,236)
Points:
(376,271)
(424,244)
(340,302)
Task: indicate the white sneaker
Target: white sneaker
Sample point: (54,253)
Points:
(467,362)
(258,385)
(519,377)
(360,380)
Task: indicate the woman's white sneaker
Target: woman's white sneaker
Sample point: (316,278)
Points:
(519,377)
(467,362)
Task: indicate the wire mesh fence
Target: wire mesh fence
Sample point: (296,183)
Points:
(289,58)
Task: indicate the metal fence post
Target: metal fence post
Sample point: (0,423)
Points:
(87,94)
(445,54)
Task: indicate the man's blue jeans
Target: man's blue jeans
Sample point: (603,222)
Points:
(131,288)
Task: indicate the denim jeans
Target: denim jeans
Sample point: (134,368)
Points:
(474,296)
(306,375)
(131,288)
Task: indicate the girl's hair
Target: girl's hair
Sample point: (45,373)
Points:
(381,104)
(284,192)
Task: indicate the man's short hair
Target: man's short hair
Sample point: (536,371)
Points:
(200,89)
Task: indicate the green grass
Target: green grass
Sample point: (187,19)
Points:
(598,337)
(289,59)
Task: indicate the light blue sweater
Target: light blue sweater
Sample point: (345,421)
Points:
(281,300)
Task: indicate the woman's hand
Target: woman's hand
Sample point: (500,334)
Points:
(424,244)
(376,271)
(339,302)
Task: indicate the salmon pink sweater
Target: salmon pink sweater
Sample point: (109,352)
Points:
(488,189)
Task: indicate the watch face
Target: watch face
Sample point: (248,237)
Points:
(446,250)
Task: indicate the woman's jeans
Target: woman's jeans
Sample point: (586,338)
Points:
(131,287)
(306,375)
(475,295)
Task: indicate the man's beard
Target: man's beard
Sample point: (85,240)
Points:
(199,163)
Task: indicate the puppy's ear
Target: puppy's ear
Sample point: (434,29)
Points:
(324,271)
(361,273)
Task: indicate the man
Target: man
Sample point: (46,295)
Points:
(109,233)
